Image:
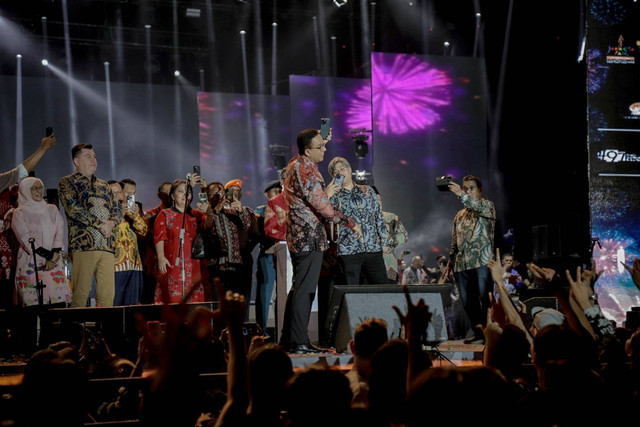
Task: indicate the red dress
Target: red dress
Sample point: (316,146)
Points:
(167,228)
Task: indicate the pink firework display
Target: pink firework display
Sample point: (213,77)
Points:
(406,94)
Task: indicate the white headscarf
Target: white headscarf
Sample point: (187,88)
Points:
(27,204)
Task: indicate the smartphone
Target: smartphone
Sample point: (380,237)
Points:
(48,131)
(339,179)
(131,201)
(325,127)
(202,198)
(229,193)
(196,170)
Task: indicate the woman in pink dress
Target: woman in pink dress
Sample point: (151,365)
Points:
(35,219)
(171,260)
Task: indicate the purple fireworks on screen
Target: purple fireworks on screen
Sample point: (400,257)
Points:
(596,71)
(607,12)
(407,94)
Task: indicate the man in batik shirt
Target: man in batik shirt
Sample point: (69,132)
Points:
(128,264)
(308,206)
(472,249)
(92,214)
(361,203)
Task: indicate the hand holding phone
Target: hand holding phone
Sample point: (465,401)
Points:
(325,127)
(339,180)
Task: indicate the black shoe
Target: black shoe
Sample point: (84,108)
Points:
(304,349)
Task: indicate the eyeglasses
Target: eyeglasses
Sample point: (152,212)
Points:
(320,147)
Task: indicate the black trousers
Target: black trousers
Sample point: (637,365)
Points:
(370,264)
(306,272)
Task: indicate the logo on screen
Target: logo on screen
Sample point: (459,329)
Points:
(617,156)
(620,54)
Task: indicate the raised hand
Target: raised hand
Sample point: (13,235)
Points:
(544,276)
(418,316)
(591,276)
(580,290)
(634,271)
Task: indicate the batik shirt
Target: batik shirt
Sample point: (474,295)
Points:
(127,257)
(88,204)
(472,235)
(361,204)
(227,225)
(307,203)
(275,218)
(397,236)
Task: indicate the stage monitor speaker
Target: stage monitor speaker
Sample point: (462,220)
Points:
(351,305)
(546,241)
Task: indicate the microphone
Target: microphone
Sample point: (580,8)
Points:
(31,240)
(189,178)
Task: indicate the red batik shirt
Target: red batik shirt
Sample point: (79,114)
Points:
(307,203)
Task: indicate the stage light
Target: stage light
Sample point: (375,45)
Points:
(243,32)
(18,56)
(148,27)
(360,147)
(340,3)
(275,24)
(361,177)
(176,73)
(44,62)
(447,44)
(106,63)
(192,13)
(478,15)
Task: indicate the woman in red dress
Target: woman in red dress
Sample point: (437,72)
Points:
(171,260)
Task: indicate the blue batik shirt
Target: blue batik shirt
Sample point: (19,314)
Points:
(361,204)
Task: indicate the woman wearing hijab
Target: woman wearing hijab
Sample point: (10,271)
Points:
(35,219)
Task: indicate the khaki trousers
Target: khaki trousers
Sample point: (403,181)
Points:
(86,265)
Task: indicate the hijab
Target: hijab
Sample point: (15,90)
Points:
(28,205)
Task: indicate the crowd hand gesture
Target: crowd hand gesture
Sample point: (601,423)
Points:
(590,276)
(417,319)
(163,263)
(231,310)
(48,142)
(492,332)
(580,290)
(634,271)
(544,276)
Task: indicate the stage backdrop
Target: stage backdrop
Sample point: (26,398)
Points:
(236,131)
(614,154)
(154,129)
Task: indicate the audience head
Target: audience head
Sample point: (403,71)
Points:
(116,189)
(128,187)
(269,370)
(273,189)
(179,193)
(215,193)
(416,262)
(543,317)
(472,186)
(340,165)
(368,337)
(31,193)
(164,193)
(311,145)
(318,396)
(235,186)
(84,158)
(388,381)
